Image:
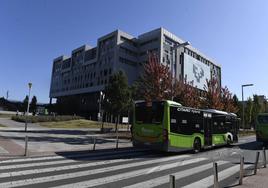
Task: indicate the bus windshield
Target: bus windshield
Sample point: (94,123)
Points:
(149,114)
(263,119)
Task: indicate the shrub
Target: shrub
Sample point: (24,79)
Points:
(35,119)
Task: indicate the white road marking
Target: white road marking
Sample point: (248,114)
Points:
(98,171)
(209,181)
(38,164)
(122,176)
(62,157)
(68,167)
(2,150)
(152,169)
(181,174)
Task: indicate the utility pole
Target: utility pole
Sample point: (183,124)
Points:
(7,95)
(174,62)
(243,104)
(28,106)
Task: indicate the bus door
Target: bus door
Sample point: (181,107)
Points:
(208,129)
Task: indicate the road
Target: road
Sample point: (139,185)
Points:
(49,140)
(128,167)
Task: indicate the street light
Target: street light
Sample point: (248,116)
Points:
(28,105)
(175,48)
(99,114)
(243,103)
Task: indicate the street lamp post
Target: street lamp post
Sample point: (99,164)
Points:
(243,104)
(99,114)
(28,106)
(175,48)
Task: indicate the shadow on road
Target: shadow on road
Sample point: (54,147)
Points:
(72,141)
(254,145)
(109,154)
(67,132)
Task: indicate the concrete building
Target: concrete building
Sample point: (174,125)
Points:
(78,79)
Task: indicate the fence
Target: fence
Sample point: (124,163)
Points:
(172,178)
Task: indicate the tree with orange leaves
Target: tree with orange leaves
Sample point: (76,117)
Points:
(155,83)
(228,101)
(186,94)
(213,95)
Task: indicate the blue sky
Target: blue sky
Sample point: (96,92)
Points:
(33,33)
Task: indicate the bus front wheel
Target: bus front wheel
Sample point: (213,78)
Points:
(197,145)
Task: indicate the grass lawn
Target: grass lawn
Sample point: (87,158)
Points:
(246,133)
(81,123)
(2,125)
(6,115)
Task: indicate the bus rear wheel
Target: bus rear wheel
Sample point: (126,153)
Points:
(197,145)
(229,141)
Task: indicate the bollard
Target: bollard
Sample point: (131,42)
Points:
(172,181)
(94,144)
(26,146)
(117,141)
(264,157)
(241,173)
(256,162)
(215,171)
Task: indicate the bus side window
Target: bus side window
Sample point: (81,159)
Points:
(173,120)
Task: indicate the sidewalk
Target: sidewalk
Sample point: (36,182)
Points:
(256,181)
(47,141)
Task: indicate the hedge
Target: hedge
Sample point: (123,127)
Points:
(35,119)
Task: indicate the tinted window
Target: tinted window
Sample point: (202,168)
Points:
(219,124)
(185,122)
(263,119)
(151,114)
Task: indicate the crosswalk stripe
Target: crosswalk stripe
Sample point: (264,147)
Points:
(165,179)
(69,167)
(67,156)
(122,176)
(66,161)
(100,170)
(209,181)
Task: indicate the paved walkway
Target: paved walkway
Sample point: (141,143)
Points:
(47,141)
(256,181)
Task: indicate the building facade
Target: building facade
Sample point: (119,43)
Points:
(77,80)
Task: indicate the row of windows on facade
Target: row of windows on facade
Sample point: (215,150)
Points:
(80,67)
(167,54)
(105,46)
(214,69)
(77,58)
(104,50)
(108,44)
(130,41)
(127,61)
(87,76)
(197,56)
(170,42)
(81,85)
(90,54)
(138,44)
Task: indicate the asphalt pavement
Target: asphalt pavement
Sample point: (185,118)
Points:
(76,165)
(127,167)
(47,141)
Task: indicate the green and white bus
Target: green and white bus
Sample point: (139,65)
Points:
(262,128)
(169,126)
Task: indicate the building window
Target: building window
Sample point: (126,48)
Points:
(127,61)
(130,41)
(128,51)
(149,41)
